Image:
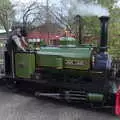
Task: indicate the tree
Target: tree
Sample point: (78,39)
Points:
(6,13)
(92,24)
(32,15)
(35,14)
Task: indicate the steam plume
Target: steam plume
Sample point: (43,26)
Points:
(89,9)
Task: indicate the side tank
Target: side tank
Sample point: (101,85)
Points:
(68,58)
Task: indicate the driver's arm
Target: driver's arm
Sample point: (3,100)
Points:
(17,41)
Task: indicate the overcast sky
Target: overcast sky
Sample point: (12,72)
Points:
(55,2)
(26,1)
(41,1)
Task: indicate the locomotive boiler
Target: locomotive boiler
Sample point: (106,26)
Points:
(72,72)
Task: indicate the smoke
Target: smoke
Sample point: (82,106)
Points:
(87,9)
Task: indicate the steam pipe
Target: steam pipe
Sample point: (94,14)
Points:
(104,33)
(79,28)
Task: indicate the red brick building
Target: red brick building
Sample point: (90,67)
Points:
(49,33)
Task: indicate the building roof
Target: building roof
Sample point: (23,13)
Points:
(49,28)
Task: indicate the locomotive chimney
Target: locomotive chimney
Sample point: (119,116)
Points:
(104,33)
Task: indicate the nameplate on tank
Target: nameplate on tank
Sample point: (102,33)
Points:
(74,62)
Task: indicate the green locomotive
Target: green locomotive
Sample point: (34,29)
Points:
(70,71)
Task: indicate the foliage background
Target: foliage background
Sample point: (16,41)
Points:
(91,25)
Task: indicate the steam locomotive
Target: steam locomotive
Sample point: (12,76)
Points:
(70,72)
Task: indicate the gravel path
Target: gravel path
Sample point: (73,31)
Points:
(15,106)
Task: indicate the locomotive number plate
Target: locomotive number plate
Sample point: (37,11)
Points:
(74,62)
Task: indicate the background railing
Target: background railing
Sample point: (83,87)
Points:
(2,66)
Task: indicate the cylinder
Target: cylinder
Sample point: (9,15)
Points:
(95,97)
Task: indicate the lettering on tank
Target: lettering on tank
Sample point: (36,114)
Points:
(74,62)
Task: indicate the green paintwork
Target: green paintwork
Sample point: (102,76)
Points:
(24,64)
(53,57)
(66,41)
(59,63)
(67,52)
(49,61)
(62,57)
(95,97)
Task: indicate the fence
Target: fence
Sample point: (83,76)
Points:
(2,66)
